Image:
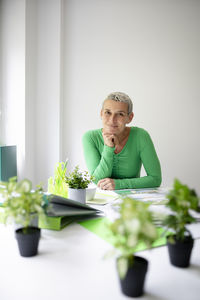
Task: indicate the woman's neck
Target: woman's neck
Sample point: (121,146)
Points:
(124,135)
(123,138)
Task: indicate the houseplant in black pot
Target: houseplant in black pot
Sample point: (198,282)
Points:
(22,205)
(77,183)
(133,224)
(182,201)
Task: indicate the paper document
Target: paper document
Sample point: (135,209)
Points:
(152,196)
(103,197)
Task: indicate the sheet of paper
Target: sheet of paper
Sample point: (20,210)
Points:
(152,196)
(103,197)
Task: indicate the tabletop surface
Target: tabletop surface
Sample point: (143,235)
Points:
(70,265)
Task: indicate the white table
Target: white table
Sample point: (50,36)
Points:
(70,266)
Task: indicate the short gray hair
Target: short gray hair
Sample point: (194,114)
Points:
(121,97)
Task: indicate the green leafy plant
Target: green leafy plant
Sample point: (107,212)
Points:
(20,203)
(182,200)
(57,184)
(78,179)
(134,225)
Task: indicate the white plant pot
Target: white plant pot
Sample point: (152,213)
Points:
(77,195)
(90,193)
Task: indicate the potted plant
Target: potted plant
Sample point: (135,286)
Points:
(134,224)
(22,205)
(182,201)
(77,183)
(57,184)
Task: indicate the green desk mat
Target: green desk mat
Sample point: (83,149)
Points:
(98,227)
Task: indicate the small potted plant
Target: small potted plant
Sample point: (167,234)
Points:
(134,224)
(22,205)
(77,183)
(182,201)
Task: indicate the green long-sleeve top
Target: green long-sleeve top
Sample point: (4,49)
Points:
(123,167)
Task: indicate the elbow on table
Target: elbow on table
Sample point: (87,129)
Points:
(157,180)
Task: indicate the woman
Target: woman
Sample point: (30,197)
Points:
(114,154)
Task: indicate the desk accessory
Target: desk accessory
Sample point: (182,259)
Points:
(8,162)
(62,211)
(57,184)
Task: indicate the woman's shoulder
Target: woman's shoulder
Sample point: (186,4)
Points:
(141,137)
(92,134)
(139,132)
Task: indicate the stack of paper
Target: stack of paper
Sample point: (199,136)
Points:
(152,196)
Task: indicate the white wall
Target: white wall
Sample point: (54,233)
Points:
(31,84)
(12,88)
(48,90)
(72,53)
(30,87)
(148,49)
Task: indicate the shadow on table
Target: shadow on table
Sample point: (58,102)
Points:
(150,296)
(194,268)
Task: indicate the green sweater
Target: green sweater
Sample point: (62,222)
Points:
(124,167)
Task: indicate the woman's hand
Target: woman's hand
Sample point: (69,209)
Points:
(110,140)
(106,184)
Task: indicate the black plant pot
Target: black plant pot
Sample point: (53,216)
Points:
(28,242)
(180,252)
(133,283)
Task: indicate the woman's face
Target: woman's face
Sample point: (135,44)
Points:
(115,116)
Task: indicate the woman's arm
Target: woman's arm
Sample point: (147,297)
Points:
(138,183)
(151,165)
(99,164)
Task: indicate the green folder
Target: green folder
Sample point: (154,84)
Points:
(62,211)
(54,223)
